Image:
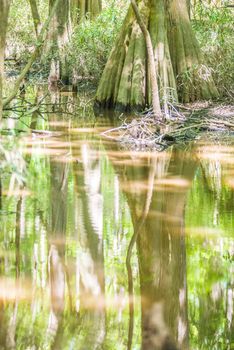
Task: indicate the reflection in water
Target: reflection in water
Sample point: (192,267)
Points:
(90,259)
(83,208)
(161,247)
(57,244)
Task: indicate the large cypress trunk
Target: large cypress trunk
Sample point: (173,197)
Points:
(125,81)
(4,10)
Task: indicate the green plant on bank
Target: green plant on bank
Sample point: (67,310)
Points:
(92,42)
(214,30)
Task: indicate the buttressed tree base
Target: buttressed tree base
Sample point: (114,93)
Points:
(181,72)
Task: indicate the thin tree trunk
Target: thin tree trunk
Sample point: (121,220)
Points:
(35,16)
(32,59)
(4,11)
(150,52)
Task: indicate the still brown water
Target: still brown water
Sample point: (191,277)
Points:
(72,202)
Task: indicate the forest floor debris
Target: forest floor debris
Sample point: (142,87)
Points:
(185,123)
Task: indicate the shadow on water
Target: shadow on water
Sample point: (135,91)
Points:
(106,248)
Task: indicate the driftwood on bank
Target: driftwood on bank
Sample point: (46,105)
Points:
(142,133)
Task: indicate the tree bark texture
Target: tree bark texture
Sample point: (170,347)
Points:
(180,70)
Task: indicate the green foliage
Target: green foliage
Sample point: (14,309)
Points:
(21,34)
(92,42)
(214,29)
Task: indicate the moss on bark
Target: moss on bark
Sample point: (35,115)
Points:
(179,63)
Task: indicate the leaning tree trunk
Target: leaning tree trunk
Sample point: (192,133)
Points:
(4,10)
(59,36)
(126,81)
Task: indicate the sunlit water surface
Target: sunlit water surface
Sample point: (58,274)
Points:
(71,201)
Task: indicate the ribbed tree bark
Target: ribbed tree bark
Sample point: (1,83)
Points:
(4,11)
(179,64)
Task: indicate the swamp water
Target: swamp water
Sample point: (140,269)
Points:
(72,202)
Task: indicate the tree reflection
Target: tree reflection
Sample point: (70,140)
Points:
(57,245)
(8,325)
(162,259)
(63,279)
(84,277)
(212,300)
(90,260)
(158,219)
(56,259)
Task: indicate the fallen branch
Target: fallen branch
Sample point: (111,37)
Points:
(141,132)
